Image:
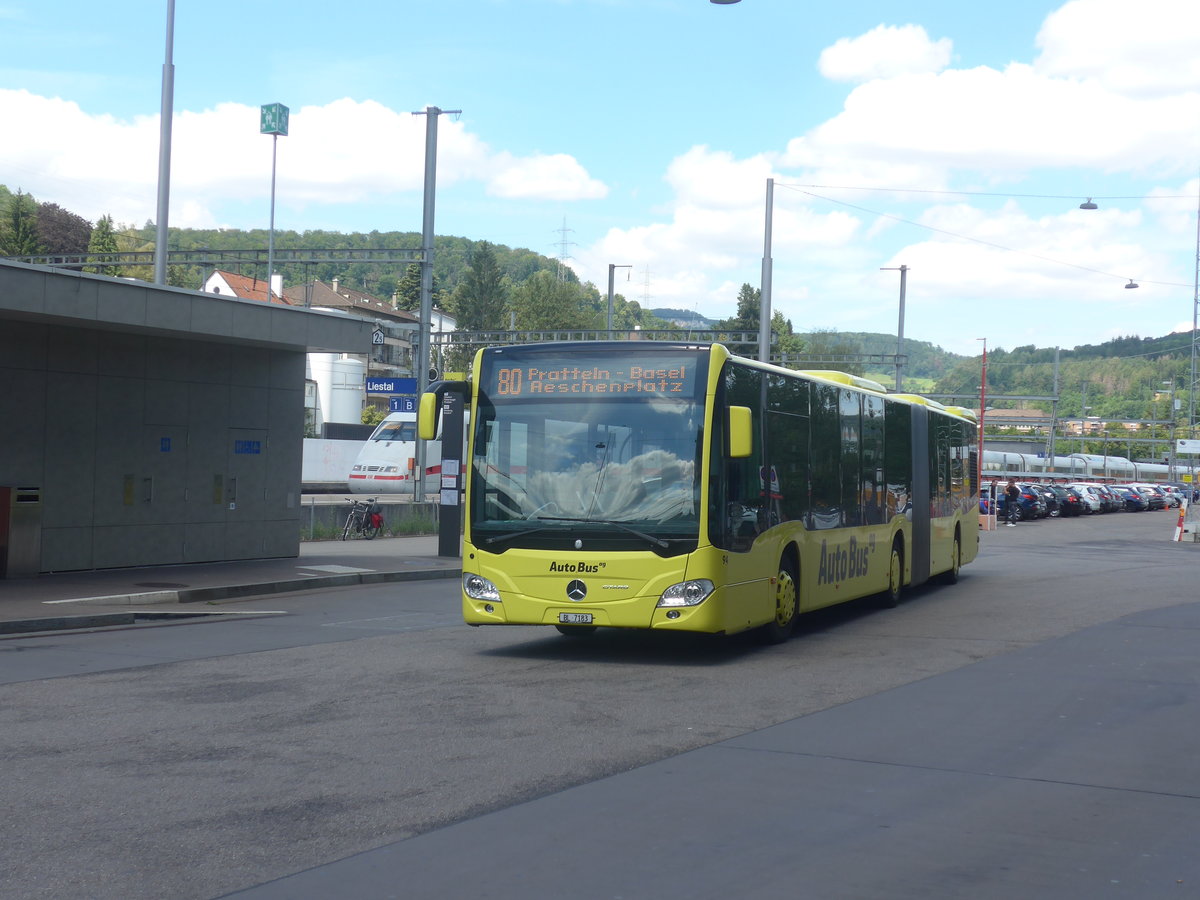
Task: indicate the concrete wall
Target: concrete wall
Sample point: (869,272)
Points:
(154,444)
(152,450)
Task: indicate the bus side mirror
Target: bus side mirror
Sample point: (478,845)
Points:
(741,432)
(427,416)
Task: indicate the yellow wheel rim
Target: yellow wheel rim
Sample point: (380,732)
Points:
(785,598)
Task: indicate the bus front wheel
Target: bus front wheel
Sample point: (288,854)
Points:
(895,585)
(950,576)
(787,594)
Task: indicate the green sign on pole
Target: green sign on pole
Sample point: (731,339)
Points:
(274,119)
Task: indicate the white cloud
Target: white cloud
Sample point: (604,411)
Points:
(1002,121)
(341,153)
(885,51)
(544,177)
(1151,52)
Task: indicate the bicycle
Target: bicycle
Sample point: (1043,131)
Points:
(364,519)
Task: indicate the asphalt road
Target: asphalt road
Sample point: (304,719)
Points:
(198,760)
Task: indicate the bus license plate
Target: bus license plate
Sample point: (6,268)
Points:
(575,618)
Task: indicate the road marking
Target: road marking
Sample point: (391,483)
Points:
(337,570)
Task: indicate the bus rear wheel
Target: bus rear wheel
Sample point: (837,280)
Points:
(891,596)
(787,604)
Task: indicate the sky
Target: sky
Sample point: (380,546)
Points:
(952,138)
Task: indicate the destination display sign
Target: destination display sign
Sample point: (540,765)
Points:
(669,375)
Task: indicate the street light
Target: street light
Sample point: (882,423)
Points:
(764,298)
(164,151)
(982,410)
(611,269)
(273,120)
(903,270)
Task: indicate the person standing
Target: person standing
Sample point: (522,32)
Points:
(1012,495)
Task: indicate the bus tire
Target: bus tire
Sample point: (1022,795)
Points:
(950,576)
(787,603)
(891,596)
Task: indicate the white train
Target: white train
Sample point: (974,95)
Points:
(387,463)
(1077,467)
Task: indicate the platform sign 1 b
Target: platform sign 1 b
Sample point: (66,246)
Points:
(402,404)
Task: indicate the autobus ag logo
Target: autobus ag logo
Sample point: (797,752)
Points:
(576,590)
(576,567)
(841,563)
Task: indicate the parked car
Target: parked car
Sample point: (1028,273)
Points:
(1188,492)
(1134,500)
(1111,501)
(1030,504)
(1173,494)
(1069,501)
(1032,500)
(1050,498)
(1156,497)
(1089,497)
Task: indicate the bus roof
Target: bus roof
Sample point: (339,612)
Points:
(845,378)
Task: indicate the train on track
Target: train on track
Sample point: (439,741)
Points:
(1077,467)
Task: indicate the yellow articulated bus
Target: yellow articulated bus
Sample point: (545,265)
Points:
(656,485)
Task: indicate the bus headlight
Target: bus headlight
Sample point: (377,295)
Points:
(686,593)
(479,588)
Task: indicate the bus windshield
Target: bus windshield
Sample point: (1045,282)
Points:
(616,468)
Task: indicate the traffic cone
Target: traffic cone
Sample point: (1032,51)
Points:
(1179,527)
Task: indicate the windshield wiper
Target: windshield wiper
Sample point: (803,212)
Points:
(495,539)
(658,542)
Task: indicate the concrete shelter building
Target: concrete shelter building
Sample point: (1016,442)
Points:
(153,425)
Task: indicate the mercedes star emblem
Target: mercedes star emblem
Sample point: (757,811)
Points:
(576,590)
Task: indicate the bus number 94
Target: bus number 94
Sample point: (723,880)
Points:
(508,381)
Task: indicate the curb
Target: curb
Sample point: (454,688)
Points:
(207,595)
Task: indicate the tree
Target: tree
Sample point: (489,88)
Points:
(61,231)
(544,303)
(408,288)
(18,235)
(825,343)
(104,240)
(480,302)
(749,304)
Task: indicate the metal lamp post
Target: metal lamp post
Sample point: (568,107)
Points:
(273,120)
(431,114)
(764,309)
(612,267)
(982,410)
(164,151)
(903,270)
